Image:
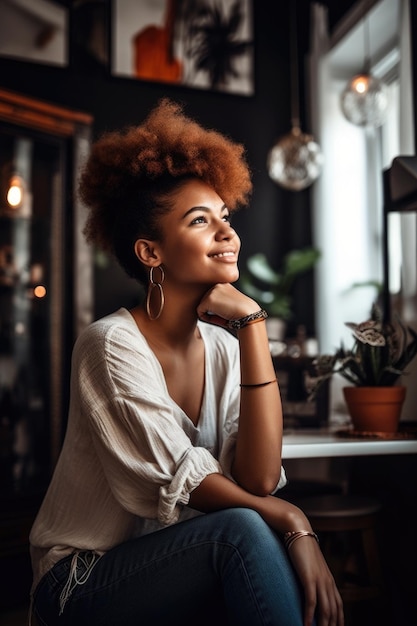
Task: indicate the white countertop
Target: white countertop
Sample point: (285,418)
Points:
(298,444)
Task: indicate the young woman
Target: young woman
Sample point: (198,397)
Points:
(160,508)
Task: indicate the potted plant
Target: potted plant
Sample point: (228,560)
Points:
(379,356)
(272,289)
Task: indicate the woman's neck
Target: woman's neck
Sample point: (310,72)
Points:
(175,328)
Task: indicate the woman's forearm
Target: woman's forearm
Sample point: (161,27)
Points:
(217,492)
(257,463)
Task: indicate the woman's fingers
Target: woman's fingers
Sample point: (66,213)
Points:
(226,302)
(310,603)
(321,595)
(330,607)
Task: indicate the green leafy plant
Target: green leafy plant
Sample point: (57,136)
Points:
(272,289)
(379,355)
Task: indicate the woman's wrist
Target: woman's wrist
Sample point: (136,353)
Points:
(293,518)
(293,535)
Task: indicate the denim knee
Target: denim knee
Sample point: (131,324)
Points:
(243,518)
(241,524)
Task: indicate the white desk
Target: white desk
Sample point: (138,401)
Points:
(319,443)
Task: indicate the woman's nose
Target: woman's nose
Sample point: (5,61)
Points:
(225,231)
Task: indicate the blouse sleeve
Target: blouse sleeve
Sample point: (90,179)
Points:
(149,461)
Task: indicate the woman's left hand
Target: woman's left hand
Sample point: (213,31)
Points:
(321,596)
(223,303)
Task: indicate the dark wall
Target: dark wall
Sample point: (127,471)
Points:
(277,220)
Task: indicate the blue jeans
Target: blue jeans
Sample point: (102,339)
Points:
(226,567)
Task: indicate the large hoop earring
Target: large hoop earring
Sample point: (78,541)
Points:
(151,287)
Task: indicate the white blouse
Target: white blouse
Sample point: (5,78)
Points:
(131,456)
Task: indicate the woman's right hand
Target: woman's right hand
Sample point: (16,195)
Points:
(224,302)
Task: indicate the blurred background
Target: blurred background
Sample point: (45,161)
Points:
(312,237)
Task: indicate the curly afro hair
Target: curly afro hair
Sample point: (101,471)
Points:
(130,174)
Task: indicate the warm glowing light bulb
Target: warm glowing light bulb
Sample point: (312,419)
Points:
(39,291)
(15,192)
(14,196)
(364,101)
(360,84)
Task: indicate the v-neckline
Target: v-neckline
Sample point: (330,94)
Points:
(189,421)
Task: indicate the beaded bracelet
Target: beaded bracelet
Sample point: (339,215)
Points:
(293,535)
(258,316)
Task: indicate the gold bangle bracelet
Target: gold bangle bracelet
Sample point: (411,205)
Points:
(269,382)
(293,535)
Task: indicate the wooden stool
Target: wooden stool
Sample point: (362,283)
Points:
(358,572)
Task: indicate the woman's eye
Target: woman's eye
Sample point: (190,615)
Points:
(201,219)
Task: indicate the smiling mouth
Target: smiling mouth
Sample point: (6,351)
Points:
(222,255)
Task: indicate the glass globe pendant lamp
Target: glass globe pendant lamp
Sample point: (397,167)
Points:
(295,160)
(364,101)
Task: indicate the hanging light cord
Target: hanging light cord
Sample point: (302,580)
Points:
(295,112)
(366,41)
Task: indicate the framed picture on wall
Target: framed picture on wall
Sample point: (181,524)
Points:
(203,44)
(34,31)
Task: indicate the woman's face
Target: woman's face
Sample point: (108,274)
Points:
(198,244)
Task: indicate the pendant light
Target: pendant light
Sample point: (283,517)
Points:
(295,160)
(15,191)
(364,100)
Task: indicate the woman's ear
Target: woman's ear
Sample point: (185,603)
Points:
(147,252)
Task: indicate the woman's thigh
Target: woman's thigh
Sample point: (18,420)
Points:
(226,563)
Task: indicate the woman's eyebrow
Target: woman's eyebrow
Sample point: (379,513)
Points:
(202,208)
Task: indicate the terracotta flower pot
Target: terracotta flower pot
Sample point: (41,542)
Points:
(375,409)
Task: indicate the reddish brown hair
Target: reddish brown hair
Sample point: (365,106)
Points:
(130,174)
